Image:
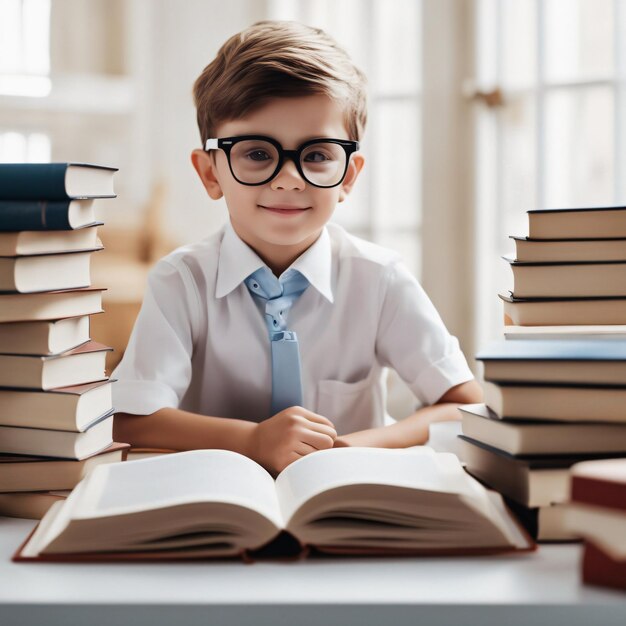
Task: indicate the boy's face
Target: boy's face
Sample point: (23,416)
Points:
(280,236)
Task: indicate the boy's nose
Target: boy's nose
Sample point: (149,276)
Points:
(288,177)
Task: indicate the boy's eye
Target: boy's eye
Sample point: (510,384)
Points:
(258,155)
(316,157)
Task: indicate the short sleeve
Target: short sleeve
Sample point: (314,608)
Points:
(413,340)
(155,370)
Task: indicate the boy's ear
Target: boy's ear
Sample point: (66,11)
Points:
(204,164)
(354,168)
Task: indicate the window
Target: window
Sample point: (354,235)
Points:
(24,71)
(25,47)
(24,147)
(559,136)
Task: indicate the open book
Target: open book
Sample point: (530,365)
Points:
(218,503)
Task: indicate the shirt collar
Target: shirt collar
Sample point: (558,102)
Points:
(237,261)
(315,264)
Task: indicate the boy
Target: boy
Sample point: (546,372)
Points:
(271,337)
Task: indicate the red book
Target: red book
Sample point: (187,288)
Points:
(600,569)
(597,513)
(600,483)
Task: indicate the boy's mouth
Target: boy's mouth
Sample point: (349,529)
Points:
(285,209)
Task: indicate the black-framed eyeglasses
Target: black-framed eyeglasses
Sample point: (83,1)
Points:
(256,159)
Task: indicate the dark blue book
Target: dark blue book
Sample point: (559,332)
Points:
(18,215)
(555,350)
(556,361)
(55,181)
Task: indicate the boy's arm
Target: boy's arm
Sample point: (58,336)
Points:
(175,429)
(413,430)
(274,443)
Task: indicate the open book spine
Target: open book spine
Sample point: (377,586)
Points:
(284,547)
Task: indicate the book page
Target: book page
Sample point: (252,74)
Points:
(180,478)
(417,468)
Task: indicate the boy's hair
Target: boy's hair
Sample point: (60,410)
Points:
(273,59)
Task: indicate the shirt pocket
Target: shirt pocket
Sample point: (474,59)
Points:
(352,406)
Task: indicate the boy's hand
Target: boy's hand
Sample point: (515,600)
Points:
(285,437)
(343,442)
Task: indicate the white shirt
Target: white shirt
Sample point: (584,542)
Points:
(200,343)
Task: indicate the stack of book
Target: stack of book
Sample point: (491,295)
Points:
(548,405)
(598,514)
(556,395)
(56,413)
(570,272)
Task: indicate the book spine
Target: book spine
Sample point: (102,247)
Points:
(598,568)
(601,493)
(30,181)
(16,215)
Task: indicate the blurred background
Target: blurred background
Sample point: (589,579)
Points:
(478,111)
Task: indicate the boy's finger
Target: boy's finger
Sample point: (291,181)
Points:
(314,417)
(319,441)
(323,429)
(305,448)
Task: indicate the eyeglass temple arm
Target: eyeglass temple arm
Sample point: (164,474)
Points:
(211,144)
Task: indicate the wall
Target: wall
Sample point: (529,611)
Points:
(189,213)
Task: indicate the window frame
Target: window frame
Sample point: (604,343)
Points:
(491,240)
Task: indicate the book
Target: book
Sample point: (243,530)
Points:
(560,403)
(137,453)
(568,280)
(30,505)
(444,437)
(545,524)
(84,364)
(597,512)
(525,480)
(600,483)
(46,215)
(44,338)
(563,311)
(65,408)
(218,503)
(26,307)
(55,181)
(36,473)
(58,443)
(601,569)
(46,272)
(531,480)
(578,223)
(604,527)
(609,331)
(27,242)
(563,250)
(533,437)
(591,362)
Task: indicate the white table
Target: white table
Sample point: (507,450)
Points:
(540,588)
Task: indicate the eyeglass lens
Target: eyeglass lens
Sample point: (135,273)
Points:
(254,161)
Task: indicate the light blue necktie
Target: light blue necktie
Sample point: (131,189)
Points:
(277,296)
